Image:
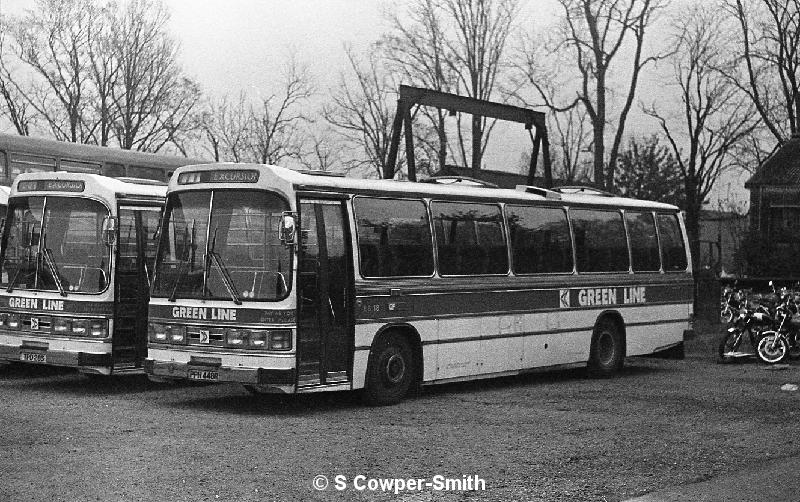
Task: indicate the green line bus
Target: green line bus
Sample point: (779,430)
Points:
(293,282)
(76,254)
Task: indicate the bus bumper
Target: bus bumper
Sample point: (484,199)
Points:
(216,369)
(94,357)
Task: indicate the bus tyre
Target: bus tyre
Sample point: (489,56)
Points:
(607,352)
(390,371)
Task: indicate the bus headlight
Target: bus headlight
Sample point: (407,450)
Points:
(80,327)
(177,334)
(61,325)
(237,337)
(13,321)
(98,328)
(157,332)
(258,338)
(280,339)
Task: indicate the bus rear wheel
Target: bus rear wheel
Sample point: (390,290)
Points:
(390,371)
(607,353)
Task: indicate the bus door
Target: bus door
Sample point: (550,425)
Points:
(324,285)
(136,250)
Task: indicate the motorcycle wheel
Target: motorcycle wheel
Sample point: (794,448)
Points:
(729,343)
(772,348)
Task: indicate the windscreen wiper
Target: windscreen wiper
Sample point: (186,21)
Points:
(47,254)
(226,276)
(13,281)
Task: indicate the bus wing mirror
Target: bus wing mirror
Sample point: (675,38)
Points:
(110,230)
(288,229)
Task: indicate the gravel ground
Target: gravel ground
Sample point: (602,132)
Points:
(556,435)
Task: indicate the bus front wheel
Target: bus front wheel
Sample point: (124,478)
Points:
(607,353)
(390,371)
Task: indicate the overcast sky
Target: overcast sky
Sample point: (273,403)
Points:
(234,45)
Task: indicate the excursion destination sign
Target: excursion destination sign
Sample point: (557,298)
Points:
(219,176)
(51,186)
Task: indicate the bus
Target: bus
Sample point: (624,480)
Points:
(24,154)
(293,282)
(4,191)
(75,260)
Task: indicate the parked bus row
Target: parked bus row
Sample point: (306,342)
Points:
(292,282)
(77,251)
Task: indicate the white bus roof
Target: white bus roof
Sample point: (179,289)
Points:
(89,153)
(108,189)
(286,180)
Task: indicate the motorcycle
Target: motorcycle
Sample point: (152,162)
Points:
(732,300)
(776,345)
(747,328)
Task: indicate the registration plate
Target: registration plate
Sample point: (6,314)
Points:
(33,357)
(205,375)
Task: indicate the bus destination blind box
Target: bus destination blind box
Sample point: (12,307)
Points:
(51,186)
(221,176)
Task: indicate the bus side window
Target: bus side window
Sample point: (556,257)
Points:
(77,166)
(4,168)
(148,173)
(600,243)
(644,241)
(113,170)
(470,238)
(540,239)
(23,163)
(672,248)
(394,237)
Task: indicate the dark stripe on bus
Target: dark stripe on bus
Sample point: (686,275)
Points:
(530,333)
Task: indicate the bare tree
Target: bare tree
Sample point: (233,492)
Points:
(417,48)
(224,125)
(95,72)
(768,61)
(453,46)
(482,28)
(17,110)
(267,131)
(323,155)
(362,110)
(592,35)
(274,132)
(52,42)
(715,115)
(104,70)
(152,99)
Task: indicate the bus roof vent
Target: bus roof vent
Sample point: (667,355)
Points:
(583,190)
(464,181)
(141,181)
(319,172)
(542,192)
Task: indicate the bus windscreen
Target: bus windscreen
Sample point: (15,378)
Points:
(56,244)
(223,245)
